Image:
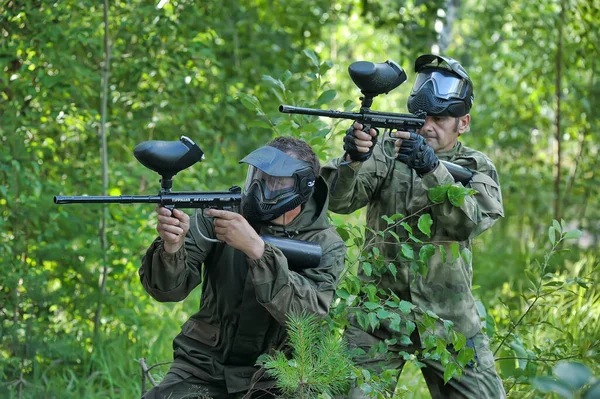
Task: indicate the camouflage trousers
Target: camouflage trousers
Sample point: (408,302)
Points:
(179,384)
(479,380)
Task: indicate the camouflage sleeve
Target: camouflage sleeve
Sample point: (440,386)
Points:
(282,291)
(171,277)
(477,213)
(351,187)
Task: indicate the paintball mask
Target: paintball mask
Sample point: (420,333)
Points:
(276,183)
(442,87)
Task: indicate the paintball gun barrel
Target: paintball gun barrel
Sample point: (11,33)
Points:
(374,79)
(167,158)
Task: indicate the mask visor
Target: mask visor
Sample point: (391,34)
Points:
(446,85)
(271,188)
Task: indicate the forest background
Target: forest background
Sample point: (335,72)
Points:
(74,319)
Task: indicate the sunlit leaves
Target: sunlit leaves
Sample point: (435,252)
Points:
(568,378)
(326,97)
(453,193)
(425,223)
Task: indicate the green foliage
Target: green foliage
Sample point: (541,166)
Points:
(569,380)
(217,72)
(174,70)
(521,357)
(319,363)
(373,306)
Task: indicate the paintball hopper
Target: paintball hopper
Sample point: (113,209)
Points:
(376,78)
(167,158)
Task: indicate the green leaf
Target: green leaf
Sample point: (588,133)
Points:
(490,326)
(274,82)
(312,56)
(391,304)
(557,226)
(414,239)
(438,194)
(426,252)
(457,195)
(573,234)
(405,307)
(371,305)
(260,124)
(466,255)
(395,325)
(366,374)
(458,341)
(450,371)
(366,388)
(509,365)
(455,250)
(367,268)
(383,314)
(548,384)
(326,97)
(465,355)
(392,269)
(552,235)
(593,392)
(387,219)
(248,101)
(410,327)
(407,251)
(574,374)
(363,320)
(405,340)
(373,321)
(286,76)
(407,227)
(425,223)
(325,66)
(344,234)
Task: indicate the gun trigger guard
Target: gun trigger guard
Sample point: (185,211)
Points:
(204,215)
(388,137)
(198,228)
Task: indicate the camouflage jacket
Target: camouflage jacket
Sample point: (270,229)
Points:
(244,302)
(388,187)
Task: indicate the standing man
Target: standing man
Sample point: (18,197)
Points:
(365,176)
(248,285)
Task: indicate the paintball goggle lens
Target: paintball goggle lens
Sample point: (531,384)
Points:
(272,188)
(445,84)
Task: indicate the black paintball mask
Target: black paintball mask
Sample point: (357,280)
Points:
(442,87)
(276,183)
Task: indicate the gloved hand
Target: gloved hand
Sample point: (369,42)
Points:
(417,154)
(356,139)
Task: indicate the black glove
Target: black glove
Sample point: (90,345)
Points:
(417,154)
(351,149)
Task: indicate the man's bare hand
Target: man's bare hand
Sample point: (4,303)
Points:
(235,230)
(172,228)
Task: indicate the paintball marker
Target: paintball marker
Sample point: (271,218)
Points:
(374,79)
(167,158)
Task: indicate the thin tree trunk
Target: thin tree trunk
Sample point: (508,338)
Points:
(557,128)
(103,245)
(446,33)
